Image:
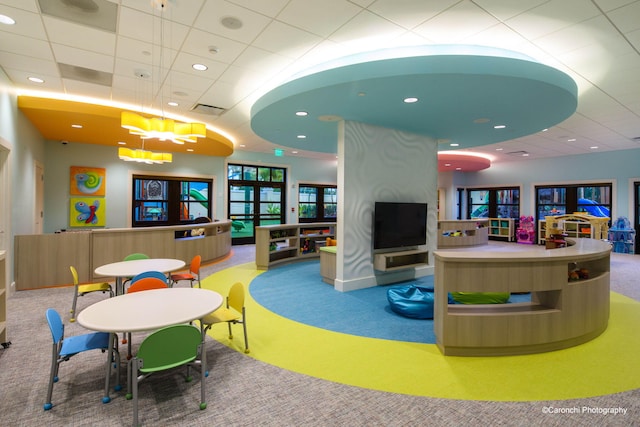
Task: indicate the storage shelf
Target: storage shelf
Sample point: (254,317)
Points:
(502,228)
(393,261)
(296,236)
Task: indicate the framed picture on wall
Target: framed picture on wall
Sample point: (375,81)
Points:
(86,212)
(87,181)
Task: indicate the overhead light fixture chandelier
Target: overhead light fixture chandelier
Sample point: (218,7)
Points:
(144,156)
(160,127)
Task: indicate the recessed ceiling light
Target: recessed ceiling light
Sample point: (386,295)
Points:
(454,144)
(499,149)
(242,145)
(172,103)
(458,169)
(122,143)
(410,100)
(302,136)
(482,120)
(199,67)
(571,140)
(7,20)
(544,130)
(525,154)
(77,126)
(301,113)
(36,80)
(190,150)
(499,126)
(294,152)
(362,94)
(595,147)
(447,164)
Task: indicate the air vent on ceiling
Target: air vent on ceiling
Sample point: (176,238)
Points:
(520,153)
(102,14)
(208,109)
(87,75)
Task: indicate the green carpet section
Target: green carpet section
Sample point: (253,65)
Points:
(605,365)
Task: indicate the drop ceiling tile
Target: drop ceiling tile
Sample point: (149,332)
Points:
(184,61)
(318,17)
(367,31)
(27,23)
(21,45)
(79,36)
(504,10)
(608,5)
(213,11)
(104,16)
(410,13)
(286,40)
(78,88)
(457,23)
(145,27)
(596,31)
(29,5)
(626,18)
(198,43)
(269,8)
(83,58)
(184,12)
(552,16)
(35,66)
(20,78)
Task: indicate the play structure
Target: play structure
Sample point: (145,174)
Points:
(622,236)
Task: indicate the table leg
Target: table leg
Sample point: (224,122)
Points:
(106,398)
(119,286)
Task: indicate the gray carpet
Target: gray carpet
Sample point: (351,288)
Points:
(244,392)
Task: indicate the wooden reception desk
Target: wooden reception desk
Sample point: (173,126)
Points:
(43,260)
(562,313)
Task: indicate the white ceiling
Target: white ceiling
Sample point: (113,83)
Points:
(596,42)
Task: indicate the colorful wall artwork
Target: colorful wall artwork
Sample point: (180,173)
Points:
(86,212)
(87,181)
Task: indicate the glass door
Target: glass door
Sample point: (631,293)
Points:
(636,213)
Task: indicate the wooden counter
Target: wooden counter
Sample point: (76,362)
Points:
(561,313)
(43,260)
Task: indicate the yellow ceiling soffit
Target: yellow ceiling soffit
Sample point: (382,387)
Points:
(101,126)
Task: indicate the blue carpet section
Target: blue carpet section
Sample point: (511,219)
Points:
(296,291)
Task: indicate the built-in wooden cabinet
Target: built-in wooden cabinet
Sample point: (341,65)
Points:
(43,260)
(392,261)
(569,303)
(289,242)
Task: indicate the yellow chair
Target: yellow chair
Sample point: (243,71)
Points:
(233,313)
(192,276)
(80,290)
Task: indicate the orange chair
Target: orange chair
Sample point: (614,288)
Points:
(144,284)
(192,276)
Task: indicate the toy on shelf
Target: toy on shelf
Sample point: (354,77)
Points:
(526,230)
(622,236)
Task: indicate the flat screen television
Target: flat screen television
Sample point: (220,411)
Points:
(398,225)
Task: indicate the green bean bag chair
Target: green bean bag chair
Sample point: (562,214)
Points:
(481,297)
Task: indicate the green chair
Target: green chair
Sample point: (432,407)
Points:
(132,257)
(64,349)
(80,290)
(164,349)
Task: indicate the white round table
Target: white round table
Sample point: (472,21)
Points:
(122,269)
(148,310)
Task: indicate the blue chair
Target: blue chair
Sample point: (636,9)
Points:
(164,349)
(155,274)
(65,348)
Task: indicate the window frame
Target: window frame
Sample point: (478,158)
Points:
(319,202)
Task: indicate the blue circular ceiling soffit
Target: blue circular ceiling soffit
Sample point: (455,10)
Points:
(462,92)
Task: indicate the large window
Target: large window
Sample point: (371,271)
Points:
(317,203)
(161,200)
(594,199)
(494,202)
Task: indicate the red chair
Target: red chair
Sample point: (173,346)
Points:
(192,276)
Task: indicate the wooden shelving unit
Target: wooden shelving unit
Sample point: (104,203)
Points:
(3,299)
(577,225)
(392,261)
(461,233)
(502,228)
(289,242)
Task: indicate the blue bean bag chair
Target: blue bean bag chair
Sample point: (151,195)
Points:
(412,301)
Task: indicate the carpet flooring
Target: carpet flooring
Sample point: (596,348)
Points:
(385,364)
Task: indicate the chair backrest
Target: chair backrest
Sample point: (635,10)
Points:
(146,284)
(55,325)
(235,299)
(156,274)
(74,273)
(135,256)
(195,265)
(169,347)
